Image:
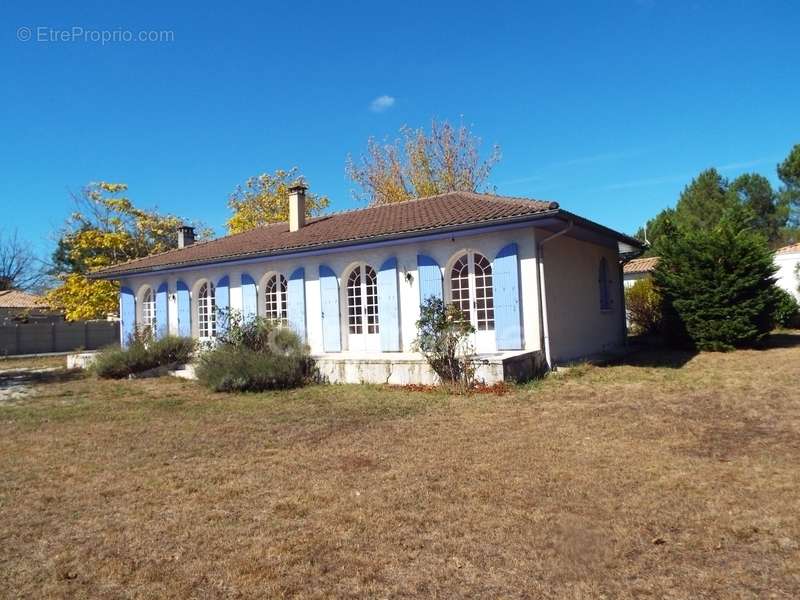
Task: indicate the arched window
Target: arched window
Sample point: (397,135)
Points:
(149,311)
(206,311)
(362,301)
(602,280)
(275,299)
(471,289)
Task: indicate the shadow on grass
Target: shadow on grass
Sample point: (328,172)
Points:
(652,353)
(38,376)
(656,356)
(782,339)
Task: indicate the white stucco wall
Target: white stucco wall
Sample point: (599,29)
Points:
(787,276)
(578,327)
(444,251)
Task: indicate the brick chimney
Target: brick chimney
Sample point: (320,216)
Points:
(297,207)
(185,236)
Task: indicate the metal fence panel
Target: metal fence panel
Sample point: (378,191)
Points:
(41,338)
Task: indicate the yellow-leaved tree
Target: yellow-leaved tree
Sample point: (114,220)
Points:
(105,229)
(421,163)
(264,199)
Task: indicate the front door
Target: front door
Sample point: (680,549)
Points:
(471,291)
(362,310)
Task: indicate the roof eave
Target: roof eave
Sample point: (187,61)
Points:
(333,245)
(521,219)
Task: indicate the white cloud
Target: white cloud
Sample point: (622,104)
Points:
(734,166)
(381,104)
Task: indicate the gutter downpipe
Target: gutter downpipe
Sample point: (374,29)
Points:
(543,291)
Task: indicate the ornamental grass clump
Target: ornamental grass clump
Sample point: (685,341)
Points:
(143,353)
(253,355)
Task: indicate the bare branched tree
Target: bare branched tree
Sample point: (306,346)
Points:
(19,267)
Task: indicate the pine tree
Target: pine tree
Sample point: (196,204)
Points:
(717,284)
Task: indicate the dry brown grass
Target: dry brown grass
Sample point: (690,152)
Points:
(39,362)
(636,480)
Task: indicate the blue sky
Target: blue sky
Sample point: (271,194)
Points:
(608,107)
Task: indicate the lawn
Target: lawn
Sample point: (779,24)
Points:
(667,476)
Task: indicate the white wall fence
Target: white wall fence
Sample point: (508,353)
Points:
(41,338)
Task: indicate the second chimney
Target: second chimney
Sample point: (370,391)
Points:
(185,236)
(297,207)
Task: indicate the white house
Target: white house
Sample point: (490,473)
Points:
(638,268)
(787,259)
(540,284)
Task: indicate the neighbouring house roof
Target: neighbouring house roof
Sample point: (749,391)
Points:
(791,249)
(18,299)
(445,212)
(640,265)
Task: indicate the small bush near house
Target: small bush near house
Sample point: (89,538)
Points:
(787,311)
(254,355)
(142,354)
(643,303)
(716,284)
(443,340)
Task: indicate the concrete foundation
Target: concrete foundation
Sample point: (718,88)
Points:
(410,368)
(401,368)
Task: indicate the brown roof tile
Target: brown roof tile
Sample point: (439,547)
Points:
(18,299)
(791,249)
(640,265)
(424,214)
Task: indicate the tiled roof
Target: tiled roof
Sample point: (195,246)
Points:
(420,215)
(640,265)
(791,249)
(18,299)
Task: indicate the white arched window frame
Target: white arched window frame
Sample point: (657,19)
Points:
(602,281)
(362,305)
(275,299)
(206,310)
(148,311)
(471,289)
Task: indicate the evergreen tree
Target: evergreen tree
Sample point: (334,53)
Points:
(717,283)
(655,228)
(770,210)
(703,202)
(789,173)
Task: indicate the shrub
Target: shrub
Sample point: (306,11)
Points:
(254,355)
(643,303)
(716,284)
(142,354)
(787,310)
(443,340)
(238,369)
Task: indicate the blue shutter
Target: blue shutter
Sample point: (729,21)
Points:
(249,298)
(222,297)
(296,302)
(430,278)
(184,310)
(127,315)
(329,296)
(162,311)
(388,314)
(505,287)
